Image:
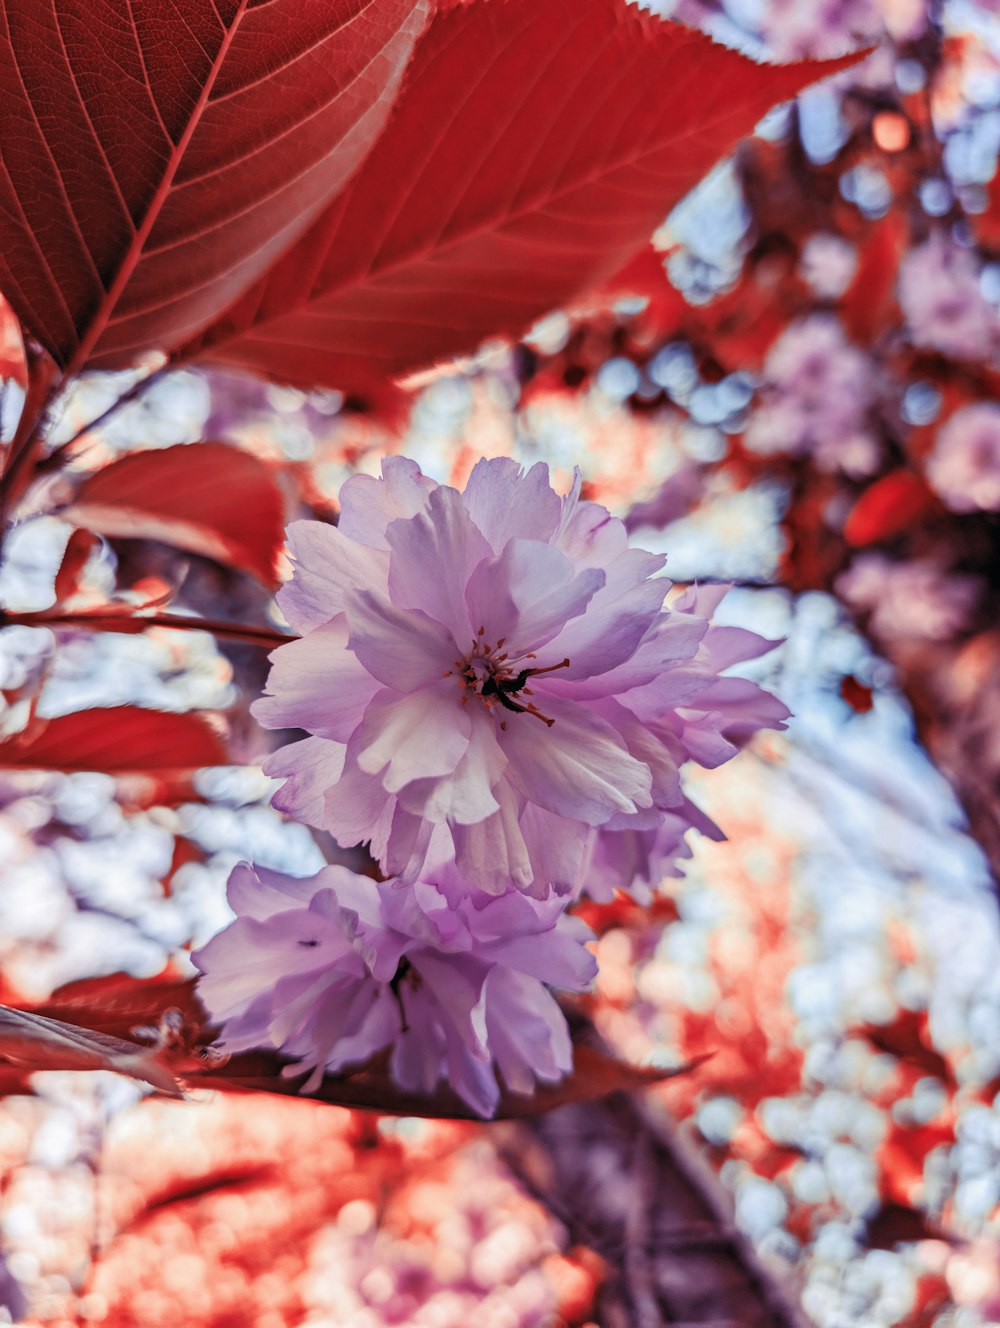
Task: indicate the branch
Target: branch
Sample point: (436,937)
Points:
(267,637)
(625,1184)
(56,457)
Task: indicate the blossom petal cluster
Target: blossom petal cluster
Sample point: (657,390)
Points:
(333,968)
(817,395)
(497,661)
(943,303)
(964,466)
(719,716)
(498,704)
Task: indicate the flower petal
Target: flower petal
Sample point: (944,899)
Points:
(505,503)
(617,618)
(467,794)
(316,684)
(528,594)
(402,648)
(577,768)
(255,892)
(327,564)
(493,853)
(528,1033)
(358,810)
(367,505)
(433,556)
(413,736)
(309,768)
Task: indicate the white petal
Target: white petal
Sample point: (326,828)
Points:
(402,648)
(528,594)
(505,503)
(310,768)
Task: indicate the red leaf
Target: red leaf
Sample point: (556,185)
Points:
(79,547)
(209,498)
(622,911)
(12,363)
(869,303)
(119,1003)
(33,1042)
(119,740)
(858,695)
(888,508)
(158,158)
(902,1157)
(535,146)
(908,1038)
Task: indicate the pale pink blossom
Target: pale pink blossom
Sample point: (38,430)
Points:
(943,304)
(794,29)
(964,467)
(719,715)
(910,600)
(828,264)
(817,395)
(331,969)
(496,660)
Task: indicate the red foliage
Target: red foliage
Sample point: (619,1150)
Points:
(209,498)
(12,363)
(869,303)
(79,547)
(889,507)
(117,740)
(902,1156)
(908,1039)
(858,695)
(156,167)
(534,148)
(120,1005)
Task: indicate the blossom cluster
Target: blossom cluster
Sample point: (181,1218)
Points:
(964,466)
(943,303)
(498,705)
(817,395)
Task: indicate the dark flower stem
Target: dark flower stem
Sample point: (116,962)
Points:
(267,637)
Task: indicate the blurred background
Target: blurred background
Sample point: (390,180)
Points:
(793,390)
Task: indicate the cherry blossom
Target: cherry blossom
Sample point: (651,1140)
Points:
(332,968)
(964,466)
(940,296)
(719,716)
(496,660)
(816,397)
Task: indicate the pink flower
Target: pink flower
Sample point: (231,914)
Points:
(718,717)
(639,861)
(910,600)
(816,397)
(496,660)
(333,968)
(964,466)
(944,307)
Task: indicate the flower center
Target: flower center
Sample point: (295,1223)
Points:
(488,673)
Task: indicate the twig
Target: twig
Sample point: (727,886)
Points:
(626,1185)
(56,457)
(267,637)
